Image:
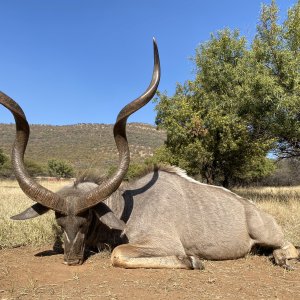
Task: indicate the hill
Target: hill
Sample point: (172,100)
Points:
(85,146)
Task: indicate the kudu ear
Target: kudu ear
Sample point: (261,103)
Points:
(33,211)
(107,217)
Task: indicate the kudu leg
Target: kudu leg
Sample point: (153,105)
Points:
(266,232)
(283,254)
(134,256)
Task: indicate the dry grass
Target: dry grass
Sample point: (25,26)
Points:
(37,231)
(282,203)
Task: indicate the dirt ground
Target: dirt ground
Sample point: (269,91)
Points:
(39,273)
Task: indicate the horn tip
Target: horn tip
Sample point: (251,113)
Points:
(156,55)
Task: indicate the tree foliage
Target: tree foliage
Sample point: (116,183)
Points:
(208,131)
(5,167)
(60,168)
(286,174)
(276,48)
(33,168)
(135,170)
(243,103)
(3,158)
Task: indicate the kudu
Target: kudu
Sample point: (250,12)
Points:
(163,220)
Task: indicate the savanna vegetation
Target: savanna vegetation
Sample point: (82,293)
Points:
(282,203)
(241,107)
(81,147)
(236,124)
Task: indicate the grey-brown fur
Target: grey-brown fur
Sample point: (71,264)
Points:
(172,221)
(163,220)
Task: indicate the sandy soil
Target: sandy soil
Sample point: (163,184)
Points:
(39,273)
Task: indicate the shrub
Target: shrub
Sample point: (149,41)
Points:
(60,168)
(3,158)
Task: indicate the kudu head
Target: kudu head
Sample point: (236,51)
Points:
(74,208)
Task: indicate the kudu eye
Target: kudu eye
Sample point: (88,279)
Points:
(83,223)
(77,215)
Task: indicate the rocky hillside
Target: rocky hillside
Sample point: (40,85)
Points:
(86,146)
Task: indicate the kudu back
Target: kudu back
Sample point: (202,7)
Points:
(163,220)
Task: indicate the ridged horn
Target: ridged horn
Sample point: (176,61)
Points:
(111,185)
(32,189)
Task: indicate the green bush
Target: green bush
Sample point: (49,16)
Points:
(32,167)
(60,168)
(135,170)
(3,158)
(35,169)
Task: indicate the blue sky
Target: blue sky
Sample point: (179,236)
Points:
(81,61)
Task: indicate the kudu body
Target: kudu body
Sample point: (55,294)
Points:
(163,220)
